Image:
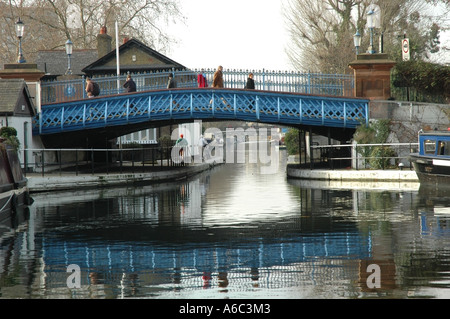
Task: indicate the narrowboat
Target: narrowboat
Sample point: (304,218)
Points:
(13,184)
(432,162)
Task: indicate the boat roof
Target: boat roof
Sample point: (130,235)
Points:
(435,133)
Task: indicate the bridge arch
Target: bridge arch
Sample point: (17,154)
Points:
(115,115)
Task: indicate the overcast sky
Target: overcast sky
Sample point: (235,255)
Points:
(237,34)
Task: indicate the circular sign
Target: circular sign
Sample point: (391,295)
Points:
(405,45)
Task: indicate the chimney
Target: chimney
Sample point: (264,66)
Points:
(103,42)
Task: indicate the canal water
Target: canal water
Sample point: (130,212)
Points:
(231,232)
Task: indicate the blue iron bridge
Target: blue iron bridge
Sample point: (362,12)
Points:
(158,107)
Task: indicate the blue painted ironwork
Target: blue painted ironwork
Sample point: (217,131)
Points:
(280,81)
(194,103)
(147,256)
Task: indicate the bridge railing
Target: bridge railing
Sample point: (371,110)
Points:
(70,90)
(288,81)
(281,81)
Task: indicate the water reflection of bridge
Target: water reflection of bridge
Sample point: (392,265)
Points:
(137,257)
(155,234)
(109,263)
(149,232)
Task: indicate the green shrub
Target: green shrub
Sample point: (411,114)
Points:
(291,141)
(430,81)
(8,131)
(380,157)
(10,135)
(376,132)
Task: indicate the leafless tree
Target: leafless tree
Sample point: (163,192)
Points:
(49,23)
(321,31)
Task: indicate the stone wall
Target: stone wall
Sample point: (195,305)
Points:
(407,118)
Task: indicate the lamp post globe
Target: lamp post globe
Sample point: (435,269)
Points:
(370,19)
(19,28)
(357,41)
(69,48)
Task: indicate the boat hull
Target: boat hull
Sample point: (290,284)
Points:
(13,184)
(11,201)
(432,171)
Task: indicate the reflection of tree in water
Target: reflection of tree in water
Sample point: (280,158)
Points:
(421,268)
(427,264)
(380,201)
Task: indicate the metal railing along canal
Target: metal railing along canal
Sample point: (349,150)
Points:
(96,161)
(359,156)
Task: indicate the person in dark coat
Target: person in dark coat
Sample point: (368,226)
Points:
(171,84)
(129,85)
(250,85)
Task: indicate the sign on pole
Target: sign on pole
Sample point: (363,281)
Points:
(405,49)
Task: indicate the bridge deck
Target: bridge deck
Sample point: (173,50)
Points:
(282,108)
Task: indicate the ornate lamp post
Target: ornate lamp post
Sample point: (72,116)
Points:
(371,25)
(69,47)
(19,33)
(357,41)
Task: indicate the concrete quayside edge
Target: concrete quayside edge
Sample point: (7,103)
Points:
(354,179)
(38,183)
(374,178)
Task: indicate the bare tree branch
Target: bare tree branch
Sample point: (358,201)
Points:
(322,31)
(49,23)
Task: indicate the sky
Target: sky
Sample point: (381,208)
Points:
(237,34)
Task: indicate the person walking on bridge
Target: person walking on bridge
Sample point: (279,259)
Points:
(250,85)
(171,84)
(218,83)
(201,80)
(129,85)
(218,78)
(90,88)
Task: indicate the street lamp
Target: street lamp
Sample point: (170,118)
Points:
(371,25)
(69,47)
(357,41)
(19,33)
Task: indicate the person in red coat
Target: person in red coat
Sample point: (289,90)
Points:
(201,80)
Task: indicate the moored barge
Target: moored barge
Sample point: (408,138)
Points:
(432,162)
(13,184)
